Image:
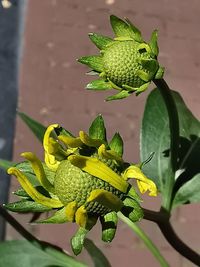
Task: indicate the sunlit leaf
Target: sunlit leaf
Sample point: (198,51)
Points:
(155,137)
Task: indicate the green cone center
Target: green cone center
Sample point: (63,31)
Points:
(73,184)
(121,63)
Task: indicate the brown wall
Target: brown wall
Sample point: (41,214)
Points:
(52,90)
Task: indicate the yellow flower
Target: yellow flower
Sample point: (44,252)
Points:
(82,179)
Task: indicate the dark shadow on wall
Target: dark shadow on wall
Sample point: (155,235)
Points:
(11,28)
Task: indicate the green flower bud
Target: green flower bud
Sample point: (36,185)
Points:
(126,63)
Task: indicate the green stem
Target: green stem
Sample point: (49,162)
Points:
(174,142)
(147,241)
(17,226)
(161,218)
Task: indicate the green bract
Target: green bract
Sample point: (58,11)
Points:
(82,179)
(126,63)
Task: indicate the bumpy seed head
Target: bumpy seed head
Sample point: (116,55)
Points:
(121,62)
(126,63)
(73,184)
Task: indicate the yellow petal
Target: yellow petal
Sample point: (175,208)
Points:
(32,192)
(89,141)
(49,147)
(71,210)
(38,170)
(108,154)
(70,141)
(144,183)
(47,134)
(100,170)
(107,199)
(81,216)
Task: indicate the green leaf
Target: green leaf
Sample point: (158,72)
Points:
(26,206)
(153,43)
(188,193)
(37,128)
(100,41)
(116,144)
(155,137)
(99,85)
(21,253)
(77,241)
(97,129)
(109,225)
(94,62)
(132,210)
(6,164)
(99,259)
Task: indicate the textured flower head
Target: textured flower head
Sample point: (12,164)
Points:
(82,179)
(126,63)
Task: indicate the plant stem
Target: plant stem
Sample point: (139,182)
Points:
(155,216)
(17,226)
(178,244)
(23,232)
(174,142)
(161,218)
(151,246)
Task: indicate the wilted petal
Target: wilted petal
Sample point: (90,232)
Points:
(144,183)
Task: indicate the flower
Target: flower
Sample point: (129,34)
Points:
(126,63)
(83,179)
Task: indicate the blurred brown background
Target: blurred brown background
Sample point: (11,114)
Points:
(52,90)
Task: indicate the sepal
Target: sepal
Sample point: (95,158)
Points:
(26,206)
(94,62)
(154,43)
(132,210)
(151,66)
(20,192)
(137,34)
(160,73)
(116,144)
(122,94)
(97,129)
(133,194)
(125,29)
(58,217)
(77,241)
(109,225)
(99,40)
(99,85)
